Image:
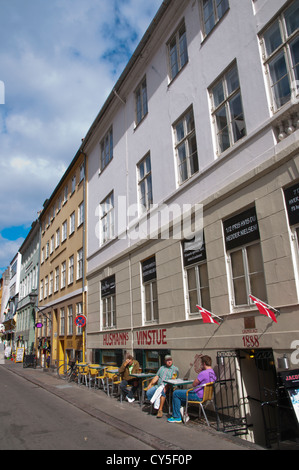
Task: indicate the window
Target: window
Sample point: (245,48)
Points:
(70,320)
(80,264)
(57,241)
(64,231)
(52,244)
(46,287)
(51,284)
(108,303)
(107,218)
(73,184)
(227,110)
(82,172)
(197,280)
(79,311)
(56,285)
(280,44)
(150,293)
(72,223)
(65,195)
(245,257)
(47,250)
(141,101)
(186,147)
(41,290)
(62,322)
(212,12)
(63,274)
(80,214)
(106,149)
(177,51)
(71,269)
(145,183)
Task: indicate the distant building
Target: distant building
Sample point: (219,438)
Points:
(25,325)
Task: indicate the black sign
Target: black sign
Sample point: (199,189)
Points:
(241,229)
(194,251)
(292,202)
(149,269)
(108,286)
(290,378)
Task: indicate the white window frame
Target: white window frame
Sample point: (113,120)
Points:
(80,264)
(281,51)
(216,15)
(80,214)
(225,106)
(177,51)
(145,188)
(63,274)
(70,320)
(71,270)
(141,102)
(72,223)
(106,149)
(62,322)
(185,139)
(108,312)
(107,218)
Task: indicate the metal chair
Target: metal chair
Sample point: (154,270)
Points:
(93,373)
(207,398)
(112,380)
(83,374)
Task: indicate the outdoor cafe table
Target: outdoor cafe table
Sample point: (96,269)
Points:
(142,376)
(96,367)
(176,383)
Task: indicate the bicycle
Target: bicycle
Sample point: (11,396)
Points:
(68,372)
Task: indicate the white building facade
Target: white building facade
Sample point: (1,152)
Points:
(192,199)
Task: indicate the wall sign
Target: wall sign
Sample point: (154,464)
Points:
(108,286)
(292,202)
(241,229)
(193,254)
(149,269)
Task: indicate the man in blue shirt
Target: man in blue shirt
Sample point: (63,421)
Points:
(164,373)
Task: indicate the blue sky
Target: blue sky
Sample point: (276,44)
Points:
(59,60)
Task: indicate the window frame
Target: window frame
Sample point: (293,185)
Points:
(145,200)
(225,104)
(282,50)
(142,98)
(186,143)
(107,223)
(175,40)
(106,144)
(216,16)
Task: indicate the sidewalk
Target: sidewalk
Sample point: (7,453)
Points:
(131,418)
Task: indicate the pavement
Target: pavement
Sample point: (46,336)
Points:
(132,418)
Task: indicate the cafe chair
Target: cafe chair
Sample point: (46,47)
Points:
(207,398)
(83,374)
(100,379)
(93,373)
(112,380)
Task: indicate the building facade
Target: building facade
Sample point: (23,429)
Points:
(193,181)
(61,282)
(25,324)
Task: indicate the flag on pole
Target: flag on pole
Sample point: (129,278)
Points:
(264,309)
(206,315)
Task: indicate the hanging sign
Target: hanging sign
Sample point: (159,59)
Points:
(80,320)
(38,325)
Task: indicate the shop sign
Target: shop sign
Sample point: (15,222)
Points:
(290,380)
(241,229)
(38,325)
(292,202)
(115,339)
(151,337)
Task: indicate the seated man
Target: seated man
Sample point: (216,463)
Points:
(164,373)
(129,366)
(205,376)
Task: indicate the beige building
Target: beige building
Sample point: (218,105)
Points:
(61,277)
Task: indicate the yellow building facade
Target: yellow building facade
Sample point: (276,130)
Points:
(61,300)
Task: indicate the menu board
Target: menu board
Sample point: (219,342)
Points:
(292,202)
(20,354)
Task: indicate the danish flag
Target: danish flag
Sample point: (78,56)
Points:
(206,315)
(264,309)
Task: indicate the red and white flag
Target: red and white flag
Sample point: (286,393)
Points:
(264,309)
(206,315)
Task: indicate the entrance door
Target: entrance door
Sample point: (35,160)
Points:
(260,383)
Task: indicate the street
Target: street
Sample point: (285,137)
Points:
(33,419)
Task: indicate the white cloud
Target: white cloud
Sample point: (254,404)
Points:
(59,61)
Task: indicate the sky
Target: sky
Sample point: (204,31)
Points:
(59,61)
